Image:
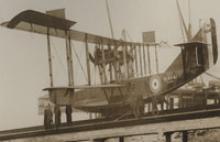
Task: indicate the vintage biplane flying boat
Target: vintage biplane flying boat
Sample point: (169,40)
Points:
(121,90)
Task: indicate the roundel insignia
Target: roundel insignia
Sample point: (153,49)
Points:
(155,84)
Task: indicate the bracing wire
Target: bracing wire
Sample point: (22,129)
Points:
(58,56)
(80,64)
(128,35)
(166,44)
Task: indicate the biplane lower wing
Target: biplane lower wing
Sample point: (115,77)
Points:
(85,87)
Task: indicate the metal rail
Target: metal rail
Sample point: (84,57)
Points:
(100,124)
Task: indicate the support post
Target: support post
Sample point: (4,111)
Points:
(185,136)
(121,139)
(168,137)
(87,60)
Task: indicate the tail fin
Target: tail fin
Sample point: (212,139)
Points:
(196,57)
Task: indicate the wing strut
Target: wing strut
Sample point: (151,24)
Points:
(69,59)
(149,60)
(156,60)
(140,56)
(144,57)
(50,58)
(87,60)
(135,60)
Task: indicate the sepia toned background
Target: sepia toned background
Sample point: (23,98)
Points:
(23,56)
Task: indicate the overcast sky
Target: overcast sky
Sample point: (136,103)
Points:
(23,60)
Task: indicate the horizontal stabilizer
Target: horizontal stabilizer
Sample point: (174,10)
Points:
(192,44)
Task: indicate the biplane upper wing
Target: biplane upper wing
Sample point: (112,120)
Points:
(34,17)
(37,22)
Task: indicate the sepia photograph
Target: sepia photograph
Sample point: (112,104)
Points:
(109,71)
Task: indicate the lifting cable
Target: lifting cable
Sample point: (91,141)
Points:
(109,18)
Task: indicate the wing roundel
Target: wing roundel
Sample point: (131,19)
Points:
(156,84)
